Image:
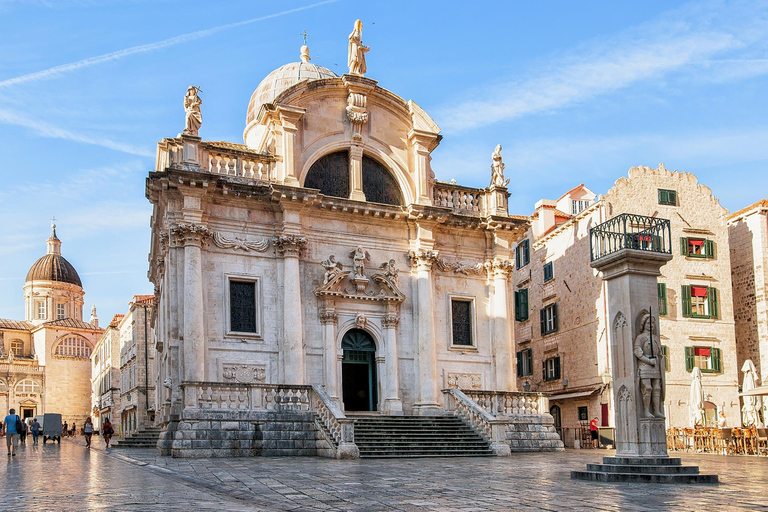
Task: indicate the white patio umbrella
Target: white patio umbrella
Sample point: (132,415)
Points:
(752,404)
(696,403)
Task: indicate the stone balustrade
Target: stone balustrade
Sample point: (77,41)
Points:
(6,368)
(246,397)
(336,425)
(510,403)
(463,199)
(214,158)
(487,425)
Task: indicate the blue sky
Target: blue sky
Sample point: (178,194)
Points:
(574,91)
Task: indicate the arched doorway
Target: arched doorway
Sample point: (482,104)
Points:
(358,371)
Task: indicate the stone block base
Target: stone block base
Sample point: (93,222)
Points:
(533,433)
(203,433)
(657,470)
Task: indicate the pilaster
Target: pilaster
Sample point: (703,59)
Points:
(426,391)
(499,271)
(289,119)
(289,248)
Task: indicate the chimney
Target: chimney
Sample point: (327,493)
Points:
(545,210)
(94,319)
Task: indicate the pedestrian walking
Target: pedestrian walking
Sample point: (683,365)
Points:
(73,430)
(108,431)
(12,424)
(23,433)
(88,432)
(35,428)
(66,429)
(593,432)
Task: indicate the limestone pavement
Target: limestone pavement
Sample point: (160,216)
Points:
(69,477)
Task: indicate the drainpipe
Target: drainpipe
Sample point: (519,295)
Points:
(146,365)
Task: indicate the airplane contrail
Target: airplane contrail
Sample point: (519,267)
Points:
(144,48)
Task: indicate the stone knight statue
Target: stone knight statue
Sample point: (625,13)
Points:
(356,55)
(194,117)
(650,367)
(497,169)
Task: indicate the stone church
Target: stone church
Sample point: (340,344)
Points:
(320,269)
(45,362)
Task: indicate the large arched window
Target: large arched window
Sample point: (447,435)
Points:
(73,347)
(28,386)
(18,347)
(330,174)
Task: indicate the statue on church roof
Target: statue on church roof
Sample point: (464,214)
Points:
(497,169)
(194,117)
(356,56)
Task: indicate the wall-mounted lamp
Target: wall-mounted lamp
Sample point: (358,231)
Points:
(526,386)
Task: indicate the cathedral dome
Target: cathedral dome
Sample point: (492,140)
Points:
(53,266)
(283,78)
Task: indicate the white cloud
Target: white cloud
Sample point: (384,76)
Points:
(62,69)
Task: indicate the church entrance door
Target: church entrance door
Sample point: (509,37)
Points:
(358,371)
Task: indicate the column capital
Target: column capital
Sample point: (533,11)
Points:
(328,316)
(390,321)
(290,245)
(499,268)
(189,233)
(422,260)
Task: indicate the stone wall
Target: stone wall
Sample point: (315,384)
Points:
(533,433)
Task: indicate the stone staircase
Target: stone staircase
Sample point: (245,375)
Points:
(417,436)
(657,470)
(146,437)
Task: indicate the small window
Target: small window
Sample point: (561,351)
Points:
(28,386)
(41,313)
(73,347)
(461,321)
(522,254)
(706,359)
(525,362)
(577,206)
(665,353)
(697,247)
(551,368)
(700,302)
(662,292)
(242,306)
(521,305)
(18,347)
(583,413)
(549,272)
(548,318)
(60,313)
(668,197)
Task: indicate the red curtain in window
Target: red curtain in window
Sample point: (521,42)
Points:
(696,242)
(698,291)
(702,351)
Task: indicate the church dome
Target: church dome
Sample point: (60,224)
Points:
(53,266)
(282,79)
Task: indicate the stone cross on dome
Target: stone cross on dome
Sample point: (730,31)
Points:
(305,49)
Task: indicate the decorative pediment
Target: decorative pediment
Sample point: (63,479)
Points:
(380,287)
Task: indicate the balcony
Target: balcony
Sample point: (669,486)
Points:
(215,158)
(630,231)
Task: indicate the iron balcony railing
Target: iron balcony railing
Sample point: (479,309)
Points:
(630,231)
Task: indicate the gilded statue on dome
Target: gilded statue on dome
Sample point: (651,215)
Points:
(356,55)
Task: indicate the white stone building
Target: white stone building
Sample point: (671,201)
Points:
(323,252)
(45,364)
(561,340)
(136,366)
(105,374)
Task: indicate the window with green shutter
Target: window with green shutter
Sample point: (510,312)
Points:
(706,359)
(668,197)
(549,272)
(700,301)
(662,292)
(521,305)
(697,247)
(522,254)
(665,353)
(525,362)
(551,368)
(548,319)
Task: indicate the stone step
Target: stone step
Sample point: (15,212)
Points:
(639,461)
(655,478)
(644,468)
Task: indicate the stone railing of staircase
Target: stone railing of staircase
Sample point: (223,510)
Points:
(511,421)
(339,429)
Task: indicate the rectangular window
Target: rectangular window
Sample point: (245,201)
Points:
(697,247)
(668,197)
(549,272)
(522,254)
(461,321)
(662,291)
(525,362)
(242,306)
(60,311)
(548,318)
(583,413)
(551,368)
(700,301)
(41,310)
(706,359)
(665,353)
(521,305)
(577,206)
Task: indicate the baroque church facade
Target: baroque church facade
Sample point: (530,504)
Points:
(45,364)
(322,257)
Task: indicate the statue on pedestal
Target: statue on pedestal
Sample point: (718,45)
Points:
(497,169)
(359,257)
(194,117)
(650,367)
(356,55)
(332,268)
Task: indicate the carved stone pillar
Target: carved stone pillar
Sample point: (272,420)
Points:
(290,248)
(356,173)
(329,318)
(422,143)
(392,403)
(426,353)
(502,340)
(190,152)
(192,236)
(289,119)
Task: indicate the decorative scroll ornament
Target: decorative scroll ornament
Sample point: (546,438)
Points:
(244,373)
(464,381)
(291,245)
(239,243)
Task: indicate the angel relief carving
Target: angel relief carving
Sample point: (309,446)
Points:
(378,286)
(359,257)
(332,268)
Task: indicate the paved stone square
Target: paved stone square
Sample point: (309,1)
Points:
(70,477)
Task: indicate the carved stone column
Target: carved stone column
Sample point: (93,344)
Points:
(356,173)
(329,318)
(290,118)
(392,403)
(500,271)
(290,248)
(192,236)
(426,392)
(422,143)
